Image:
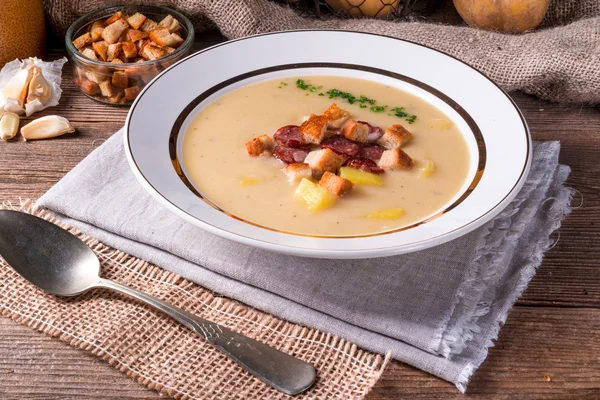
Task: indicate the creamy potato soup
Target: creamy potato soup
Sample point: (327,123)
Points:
(328,192)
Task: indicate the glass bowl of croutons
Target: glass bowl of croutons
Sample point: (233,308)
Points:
(117,50)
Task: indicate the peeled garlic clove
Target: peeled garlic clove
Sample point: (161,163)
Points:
(46,128)
(18,86)
(39,88)
(9,125)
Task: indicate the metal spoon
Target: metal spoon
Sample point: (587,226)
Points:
(58,262)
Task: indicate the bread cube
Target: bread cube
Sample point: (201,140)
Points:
(117,61)
(394,136)
(89,53)
(117,97)
(101,49)
(120,79)
(313,129)
(261,145)
(356,131)
(164,38)
(132,92)
(96,30)
(95,77)
(113,32)
(136,35)
(323,160)
(136,20)
(148,25)
(297,171)
(150,51)
(315,197)
(88,87)
(115,17)
(170,23)
(396,158)
(129,49)
(114,51)
(335,185)
(82,41)
(336,117)
(107,89)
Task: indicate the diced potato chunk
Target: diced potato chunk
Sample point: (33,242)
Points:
(316,197)
(441,123)
(248,181)
(360,177)
(388,213)
(426,168)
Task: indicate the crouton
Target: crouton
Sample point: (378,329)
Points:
(120,79)
(313,129)
(88,87)
(114,51)
(136,20)
(170,23)
(124,37)
(295,172)
(132,92)
(101,49)
(169,50)
(117,96)
(164,38)
(396,158)
(323,160)
(89,53)
(95,77)
(107,89)
(82,41)
(129,49)
(260,146)
(150,51)
(394,136)
(115,17)
(334,184)
(113,32)
(96,30)
(117,61)
(148,25)
(136,35)
(356,131)
(336,117)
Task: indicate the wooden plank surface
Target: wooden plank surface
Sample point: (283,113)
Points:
(549,348)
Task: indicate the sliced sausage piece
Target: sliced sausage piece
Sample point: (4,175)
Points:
(371,151)
(290,155)
(289,136)
(341,145)
(375,132)
(363,164)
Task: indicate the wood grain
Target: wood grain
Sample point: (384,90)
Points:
(549,348)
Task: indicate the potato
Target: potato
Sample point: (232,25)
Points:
(426,168)
(360,177)
(316,197)
(388,213)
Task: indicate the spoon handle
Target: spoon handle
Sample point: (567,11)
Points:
(280,370)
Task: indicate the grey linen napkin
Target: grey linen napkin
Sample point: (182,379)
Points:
(437,309)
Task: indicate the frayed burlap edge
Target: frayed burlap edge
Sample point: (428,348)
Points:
(162,355)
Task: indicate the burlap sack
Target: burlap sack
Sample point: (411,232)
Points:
(560,61)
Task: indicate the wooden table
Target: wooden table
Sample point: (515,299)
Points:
(548,349)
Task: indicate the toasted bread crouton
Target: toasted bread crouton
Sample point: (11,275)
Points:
(150,51)
(89,53)
(117,96)
(136,35)
(117,61)
(295,172)
(323,160)
(148,25)
(336,117)
(101,49)
(115,17)
(170,23)
(96,30)
(394,136)
(356,131)
(169,50)
(120,79)
(82,41)
(114,51)
(335,185)
(95,77)
(129,49)
(107,89)
(132,92)
(113,32)
(136,20)
(313,129)
(164,38)
(261,145)
(396,158)
(89,87)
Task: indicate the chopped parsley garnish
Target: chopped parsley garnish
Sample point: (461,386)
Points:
(362,100)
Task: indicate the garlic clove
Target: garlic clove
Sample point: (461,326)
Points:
(39,88)
(46,128)
(9,125)
(18,86)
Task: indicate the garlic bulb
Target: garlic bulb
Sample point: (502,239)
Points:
(39,88)
(17,87)
(46,128)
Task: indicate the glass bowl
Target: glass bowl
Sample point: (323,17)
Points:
(90,73)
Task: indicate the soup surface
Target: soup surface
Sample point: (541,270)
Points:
(254,188)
